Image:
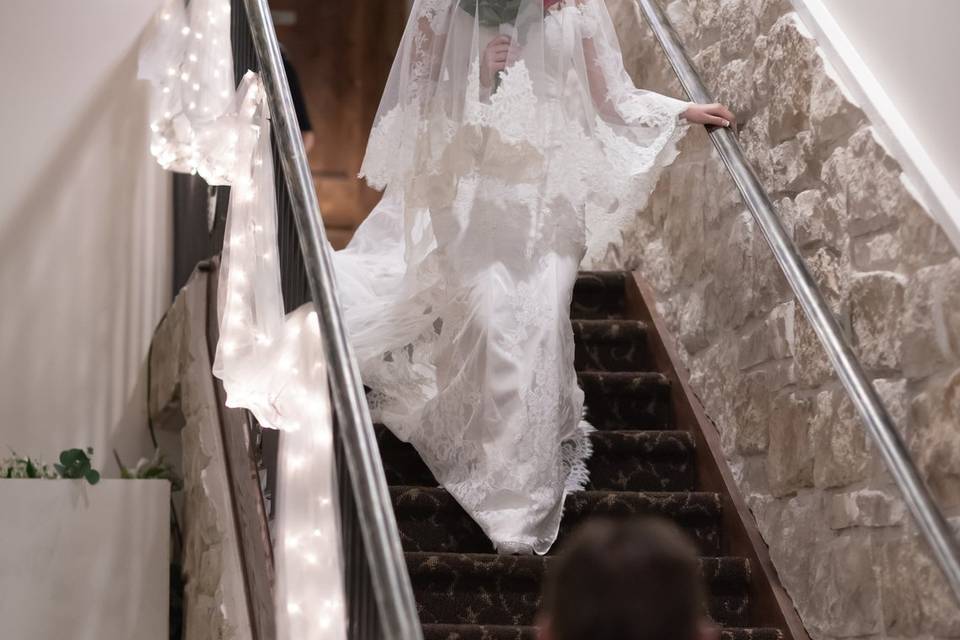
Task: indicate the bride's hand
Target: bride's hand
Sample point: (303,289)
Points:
(714,114)
(494,59)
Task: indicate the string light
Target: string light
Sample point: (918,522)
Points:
(229,144)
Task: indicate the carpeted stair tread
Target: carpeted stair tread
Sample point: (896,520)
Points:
(611,345)
(478,632)
(642,461)
(622,461)
(430,519)
(599,294)
(509,632)
(671,443)
(723,574)
(492,589)
(626,399)
(609,330)
(623,381)
(747,633)
(641,465)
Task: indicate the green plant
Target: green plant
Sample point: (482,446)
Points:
(74,464)
(25,467)
(155,468)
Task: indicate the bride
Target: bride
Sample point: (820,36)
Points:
(510,140)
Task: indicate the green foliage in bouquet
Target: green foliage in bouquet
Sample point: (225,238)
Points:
(492,13)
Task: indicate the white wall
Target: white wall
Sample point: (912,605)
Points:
(913,49)
(899,59)
(85,228)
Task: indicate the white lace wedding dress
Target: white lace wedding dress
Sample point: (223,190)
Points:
(457,288)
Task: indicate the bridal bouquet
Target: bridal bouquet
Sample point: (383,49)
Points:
(493,13)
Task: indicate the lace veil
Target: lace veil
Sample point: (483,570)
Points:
(562,128)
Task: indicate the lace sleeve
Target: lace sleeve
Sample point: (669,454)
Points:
(429,39)
(614,94)
(413,81)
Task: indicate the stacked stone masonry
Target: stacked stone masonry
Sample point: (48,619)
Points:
(839,534)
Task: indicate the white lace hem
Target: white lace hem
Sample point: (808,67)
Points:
(576,452)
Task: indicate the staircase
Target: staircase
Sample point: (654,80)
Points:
(642,465)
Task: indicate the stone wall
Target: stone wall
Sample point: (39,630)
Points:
(183,403)
(838,531)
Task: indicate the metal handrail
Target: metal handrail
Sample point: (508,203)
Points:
(388,570)
(880,425)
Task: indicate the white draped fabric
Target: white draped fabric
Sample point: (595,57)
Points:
(188,59)
(273,365)
(270,363)
(457,288)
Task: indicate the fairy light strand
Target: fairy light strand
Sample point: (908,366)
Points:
(270,363)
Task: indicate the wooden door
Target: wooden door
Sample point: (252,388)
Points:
(342,51)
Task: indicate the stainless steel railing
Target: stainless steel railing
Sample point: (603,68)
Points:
(370,507)
(874,415)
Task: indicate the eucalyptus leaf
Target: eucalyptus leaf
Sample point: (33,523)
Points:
(492,13)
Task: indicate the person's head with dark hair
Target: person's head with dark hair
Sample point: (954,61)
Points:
(633,580)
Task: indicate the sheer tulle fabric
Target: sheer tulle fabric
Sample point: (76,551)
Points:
(457,288)
(188,60)
(273,365)
(270,364)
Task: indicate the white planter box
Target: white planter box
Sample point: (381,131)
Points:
(84,562)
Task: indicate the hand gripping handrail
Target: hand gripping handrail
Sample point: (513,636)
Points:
(388,571)
(874,415)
